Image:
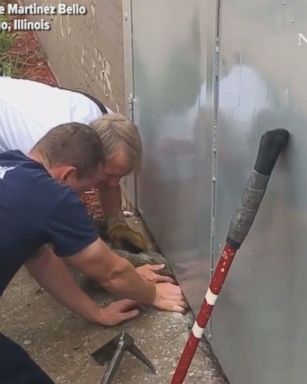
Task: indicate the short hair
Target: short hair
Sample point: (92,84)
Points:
(75,144)
(114,129)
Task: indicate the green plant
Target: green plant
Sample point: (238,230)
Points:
(13,61)
(6,41)
(8,68)
(9,62)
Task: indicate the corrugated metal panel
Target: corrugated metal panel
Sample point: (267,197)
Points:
(173,45)
(260,320)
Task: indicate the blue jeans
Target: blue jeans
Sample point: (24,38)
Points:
(17,367)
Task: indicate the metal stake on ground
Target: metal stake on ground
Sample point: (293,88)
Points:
(113,352)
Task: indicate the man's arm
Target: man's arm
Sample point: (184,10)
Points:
(53,275)
(119,232)
(111,200)
(70,232)
(118,275)
(113,272)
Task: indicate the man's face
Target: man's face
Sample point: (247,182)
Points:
(116,167)
(87,183)
(68,176)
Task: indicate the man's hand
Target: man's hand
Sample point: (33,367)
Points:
(122,236)
(149,273)
(113,272)
(117,312)
(169,297)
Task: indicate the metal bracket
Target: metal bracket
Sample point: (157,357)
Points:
(113,352)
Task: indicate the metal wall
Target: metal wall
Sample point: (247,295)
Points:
(173,107)
(259,325)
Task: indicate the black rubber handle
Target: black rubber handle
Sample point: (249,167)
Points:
(271,144)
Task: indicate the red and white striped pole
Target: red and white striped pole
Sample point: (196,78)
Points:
(271,144)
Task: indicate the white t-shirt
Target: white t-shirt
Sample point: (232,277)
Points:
(29,109)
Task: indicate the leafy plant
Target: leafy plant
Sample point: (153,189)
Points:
(8,62)
(14,53)
(8,68)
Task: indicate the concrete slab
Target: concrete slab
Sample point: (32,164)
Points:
(61,342)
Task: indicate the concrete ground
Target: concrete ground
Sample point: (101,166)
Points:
(62,342)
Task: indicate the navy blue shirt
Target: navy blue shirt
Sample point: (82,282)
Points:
(35,210)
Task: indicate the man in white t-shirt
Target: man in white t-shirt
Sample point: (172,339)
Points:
(29,109)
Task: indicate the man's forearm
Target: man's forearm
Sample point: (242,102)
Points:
(126,282)
(54,276)
(110,200)
(113,272)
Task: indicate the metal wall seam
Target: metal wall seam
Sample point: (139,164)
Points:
(216,66)
(130,183)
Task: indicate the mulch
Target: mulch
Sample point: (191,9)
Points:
(34,66)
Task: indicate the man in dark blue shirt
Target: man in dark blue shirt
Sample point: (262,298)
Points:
(25,117)
(42,221)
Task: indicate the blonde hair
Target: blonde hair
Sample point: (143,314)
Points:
(114,129)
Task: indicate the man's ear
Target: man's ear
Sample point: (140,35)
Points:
(69,174)
(64,173)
